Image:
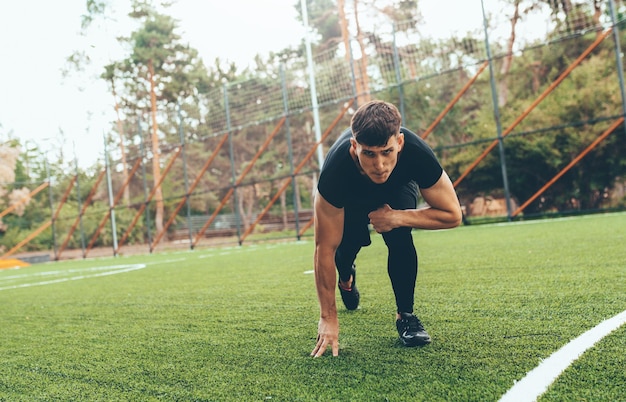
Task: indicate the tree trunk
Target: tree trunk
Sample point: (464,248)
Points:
(567,7)
(503,90)
(241,207)
(364,95)
(345,35)
(156,164)
(283,209)
(537,70)
(597,14)
(120,130)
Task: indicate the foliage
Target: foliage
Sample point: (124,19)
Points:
(574,115)
(198,106)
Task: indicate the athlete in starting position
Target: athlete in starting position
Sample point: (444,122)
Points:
(373,175)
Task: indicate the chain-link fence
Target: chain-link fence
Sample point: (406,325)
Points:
(526,125)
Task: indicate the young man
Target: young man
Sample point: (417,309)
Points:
(372,175)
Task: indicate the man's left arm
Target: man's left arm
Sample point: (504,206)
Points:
(443,210)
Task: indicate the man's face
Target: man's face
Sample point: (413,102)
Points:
(378,162)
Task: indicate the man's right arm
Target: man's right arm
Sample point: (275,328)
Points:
(328,234)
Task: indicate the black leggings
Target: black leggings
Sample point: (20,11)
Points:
(402,257)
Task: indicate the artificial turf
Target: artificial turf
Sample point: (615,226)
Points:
(239,323)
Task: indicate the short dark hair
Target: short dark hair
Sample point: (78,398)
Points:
(375,122)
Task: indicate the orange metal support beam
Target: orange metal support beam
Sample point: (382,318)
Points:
(23,199)
(212,217)
(45,225)
(144,205)
(260,151)
(591,146)
(297,169)
(126,182)
(326,133)
(92,192)
(118,196)
(541,97)
(64,198)
(27,239)
(191,189)
(455,100)
(66,194)
(307,226)
(239,180)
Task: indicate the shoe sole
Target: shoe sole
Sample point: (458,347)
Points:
(413,344)
(344,302)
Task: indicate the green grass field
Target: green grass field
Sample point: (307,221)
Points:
(239,323)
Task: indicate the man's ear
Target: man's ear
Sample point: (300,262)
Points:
(401,140)
(353,143)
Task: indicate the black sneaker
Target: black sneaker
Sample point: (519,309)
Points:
(350,297)
(411,330)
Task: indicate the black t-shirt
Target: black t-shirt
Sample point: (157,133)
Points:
(342,184)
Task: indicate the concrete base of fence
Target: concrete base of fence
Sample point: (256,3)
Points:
(35,258)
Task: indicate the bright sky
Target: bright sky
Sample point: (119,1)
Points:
(37,36)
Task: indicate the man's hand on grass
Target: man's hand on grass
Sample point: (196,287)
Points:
(327,335)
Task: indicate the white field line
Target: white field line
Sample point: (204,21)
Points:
(115,269)
(167,261)
(238,249)
(537,381)
(109,270)
(60,272)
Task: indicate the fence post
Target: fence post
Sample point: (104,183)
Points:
(52,217)
(146,213)
(294,184)
(496,113)
(109,190)
(312,87)
(231,151)
(618,57)
(78,206)
(396,64)
(355,91)
(185,177)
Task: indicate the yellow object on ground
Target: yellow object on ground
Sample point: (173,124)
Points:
(13,263)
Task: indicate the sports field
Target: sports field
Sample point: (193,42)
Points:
(239,323)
